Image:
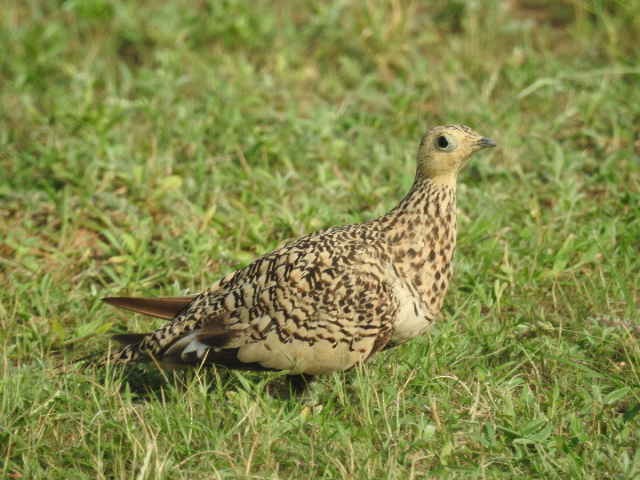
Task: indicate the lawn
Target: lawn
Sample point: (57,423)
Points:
(148,148)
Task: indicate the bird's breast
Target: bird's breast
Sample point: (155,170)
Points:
(412,317)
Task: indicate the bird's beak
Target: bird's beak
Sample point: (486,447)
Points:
(485,142)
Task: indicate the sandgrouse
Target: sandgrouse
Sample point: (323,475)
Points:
(329,300)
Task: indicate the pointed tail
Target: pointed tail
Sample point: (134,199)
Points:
(162,307)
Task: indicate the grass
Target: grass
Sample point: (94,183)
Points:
(148,148)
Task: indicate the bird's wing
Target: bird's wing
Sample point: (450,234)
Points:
(304,310)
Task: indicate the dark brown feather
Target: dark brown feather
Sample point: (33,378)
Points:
(215,336)
(129,338)
(162,307)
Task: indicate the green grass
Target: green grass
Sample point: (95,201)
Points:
(148,148)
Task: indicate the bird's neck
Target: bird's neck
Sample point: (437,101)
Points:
(420,236)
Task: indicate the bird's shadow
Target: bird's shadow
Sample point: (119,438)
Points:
(147,383)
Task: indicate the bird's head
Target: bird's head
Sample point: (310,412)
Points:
(444,151)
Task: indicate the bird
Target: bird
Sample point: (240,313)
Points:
(327,301)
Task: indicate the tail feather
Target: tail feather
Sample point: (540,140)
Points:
(128,338)
(128,354)
(162,307)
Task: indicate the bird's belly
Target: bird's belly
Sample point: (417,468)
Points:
(299,356)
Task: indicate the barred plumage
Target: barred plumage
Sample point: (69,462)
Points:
(330,299)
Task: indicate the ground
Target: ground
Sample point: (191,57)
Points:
(148,148)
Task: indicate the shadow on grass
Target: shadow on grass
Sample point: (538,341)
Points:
(147,382)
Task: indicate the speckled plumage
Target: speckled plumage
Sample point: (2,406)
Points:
(329,300)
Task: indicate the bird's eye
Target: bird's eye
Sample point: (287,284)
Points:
(445,143)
